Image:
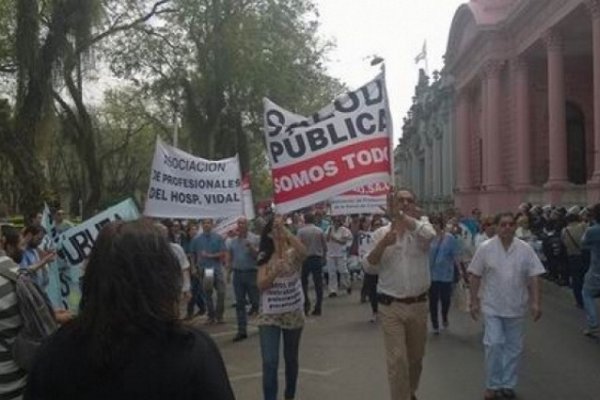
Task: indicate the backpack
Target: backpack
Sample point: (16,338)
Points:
(36,313)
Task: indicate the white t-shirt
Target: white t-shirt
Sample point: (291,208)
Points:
(505,276)
(480,238)
(184,262)
(335,249)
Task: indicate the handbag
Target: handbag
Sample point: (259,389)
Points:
(462,296)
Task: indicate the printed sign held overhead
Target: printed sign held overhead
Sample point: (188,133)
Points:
(344,146)
(186,186)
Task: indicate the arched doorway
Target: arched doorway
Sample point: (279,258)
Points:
(576,164)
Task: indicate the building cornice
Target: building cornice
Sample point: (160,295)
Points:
(511,37)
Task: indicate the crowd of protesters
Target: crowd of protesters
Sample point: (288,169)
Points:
(255,257)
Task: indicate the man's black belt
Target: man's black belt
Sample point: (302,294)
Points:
(387,300)
(244,270)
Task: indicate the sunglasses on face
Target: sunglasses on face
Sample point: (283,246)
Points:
(507,224)
(408,200)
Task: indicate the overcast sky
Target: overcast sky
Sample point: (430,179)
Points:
(392,29)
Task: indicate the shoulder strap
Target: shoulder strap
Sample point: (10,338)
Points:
(572,239)
(5,265)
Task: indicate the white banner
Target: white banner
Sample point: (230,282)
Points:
(185,186)
(225,225)
(343,146)
(285,295)
(247,198)
(367,199)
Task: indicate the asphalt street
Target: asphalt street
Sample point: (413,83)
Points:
(342,356)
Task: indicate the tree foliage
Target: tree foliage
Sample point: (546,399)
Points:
(209,62)
(215,60)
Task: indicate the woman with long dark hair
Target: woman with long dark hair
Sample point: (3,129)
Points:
(280,260)
(127,342)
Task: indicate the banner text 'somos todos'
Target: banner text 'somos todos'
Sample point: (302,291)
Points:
(341,147)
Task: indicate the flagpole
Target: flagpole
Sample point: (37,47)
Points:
(390,128)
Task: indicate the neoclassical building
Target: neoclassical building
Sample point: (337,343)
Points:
(425,156)
(526,78)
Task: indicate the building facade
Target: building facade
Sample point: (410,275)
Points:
(526,79)
(425,156)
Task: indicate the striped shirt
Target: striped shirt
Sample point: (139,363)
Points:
(12,378)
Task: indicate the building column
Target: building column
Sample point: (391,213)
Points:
(428,179)
(445,155)
(415,174)
(493,156)
(408,178)
(522,117)
(557,136)
(594,8)
(437,160)
(450,151)
(463,141)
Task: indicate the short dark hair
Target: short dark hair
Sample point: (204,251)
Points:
(131,288)
(503,214)
(11,235)
(309,218)
(436,220)
(573,218)
(33,230)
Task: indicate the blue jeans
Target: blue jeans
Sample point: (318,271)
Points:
(269,346)
(217,285)
(197,297)
(589,305)
(313,265)
(439,292)
(503,341)
(244,284)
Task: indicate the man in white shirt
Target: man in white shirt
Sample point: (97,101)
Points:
(184,263)
(338,237)
(504,277)
(400,257)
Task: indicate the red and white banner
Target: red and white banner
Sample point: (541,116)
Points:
(342,147)
(368,199)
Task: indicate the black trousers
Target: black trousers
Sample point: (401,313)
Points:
(577,269)
(369,290)
(439,292)
(313,265)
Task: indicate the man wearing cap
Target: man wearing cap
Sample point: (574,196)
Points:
(400,257)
